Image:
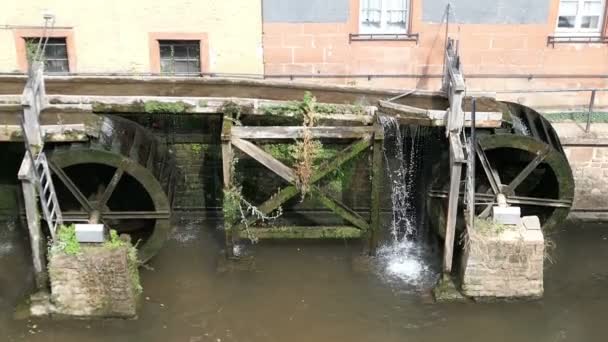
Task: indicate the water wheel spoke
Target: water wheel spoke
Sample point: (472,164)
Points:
(541,202)
(526,171)
(110,188)
(77,216)
(491,173)
(84,202)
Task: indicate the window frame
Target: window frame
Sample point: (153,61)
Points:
(384,26)
(155,37)
(578,31)
(20,36)
(188,43)
(66,60)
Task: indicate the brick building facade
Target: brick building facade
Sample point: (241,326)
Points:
(505,45)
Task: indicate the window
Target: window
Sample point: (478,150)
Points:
(180,57)
(384,16)
(55,54)
(580,16)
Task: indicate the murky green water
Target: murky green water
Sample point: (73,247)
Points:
(309,292)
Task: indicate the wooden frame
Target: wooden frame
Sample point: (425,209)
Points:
(365,137)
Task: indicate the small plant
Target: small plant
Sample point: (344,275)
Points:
(307,148)
(114,241)
(133,269)
(232,110)
(66,241)
(197,148)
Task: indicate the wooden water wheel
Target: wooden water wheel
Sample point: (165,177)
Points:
(124,177)
(524,161)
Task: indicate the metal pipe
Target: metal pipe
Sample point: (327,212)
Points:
(368,76)
(591,103)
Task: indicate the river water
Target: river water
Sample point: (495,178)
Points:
(311,292)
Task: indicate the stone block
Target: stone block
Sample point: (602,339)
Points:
(504,264)
(531,222)
(506,215)
(99,281)
(90,232)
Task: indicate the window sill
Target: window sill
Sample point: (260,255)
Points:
(561,39)
(371,37)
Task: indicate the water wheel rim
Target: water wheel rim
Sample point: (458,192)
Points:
(555,159)
(162,227)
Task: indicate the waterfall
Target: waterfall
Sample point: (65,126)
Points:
(401,256)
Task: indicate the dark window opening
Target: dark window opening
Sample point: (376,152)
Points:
(180,57)
(55,56)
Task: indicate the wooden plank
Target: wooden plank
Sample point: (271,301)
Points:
(37,239)
(226,152)
(390,107)
(456,149)
(265,159)
(376,184)
(300,232)
(340,209)
(450,229)
(296,132)
(229,234)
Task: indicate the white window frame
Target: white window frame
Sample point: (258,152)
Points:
(577,30)
(384,27)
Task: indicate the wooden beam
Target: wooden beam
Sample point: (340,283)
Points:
(340,209)
(37,238)
(229,234)
(65,179)
(265,159)
(226,152)
(296,132)
(450,229)
(376,185)
(324,169)
(299,232)
(456,149)
(510,188)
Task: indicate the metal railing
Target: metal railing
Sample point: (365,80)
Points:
(592,91)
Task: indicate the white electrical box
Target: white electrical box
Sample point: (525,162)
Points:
(92,233)
(506,215)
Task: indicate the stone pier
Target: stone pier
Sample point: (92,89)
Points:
(504,261)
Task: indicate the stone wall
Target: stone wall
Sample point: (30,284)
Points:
(588,157)
(98,282)
(508,264)
(590,170)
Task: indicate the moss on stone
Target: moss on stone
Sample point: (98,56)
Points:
(66,241)
(166,107)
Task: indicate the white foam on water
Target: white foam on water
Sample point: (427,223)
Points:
(404,261)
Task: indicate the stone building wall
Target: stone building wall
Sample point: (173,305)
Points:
(588,157)
(111,36)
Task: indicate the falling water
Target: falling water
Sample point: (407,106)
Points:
(401,257)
